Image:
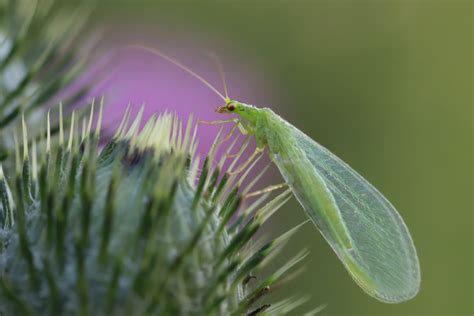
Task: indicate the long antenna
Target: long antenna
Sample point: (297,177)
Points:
(220,69)
(177,63)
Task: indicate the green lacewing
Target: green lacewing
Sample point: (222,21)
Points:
(359,223)
(362,227)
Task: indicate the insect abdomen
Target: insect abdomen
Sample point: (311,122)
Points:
(307,185)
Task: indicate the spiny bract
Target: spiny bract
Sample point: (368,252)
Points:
(42,46)
(130,229)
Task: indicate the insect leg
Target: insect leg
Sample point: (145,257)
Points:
(238,124)
(243,128)
(231,132)
(257,152)
(234,120)
(266,190)
(240,151)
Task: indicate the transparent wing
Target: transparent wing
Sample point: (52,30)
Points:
(382,246)
(383,259)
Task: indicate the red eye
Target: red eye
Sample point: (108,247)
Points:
(231,107)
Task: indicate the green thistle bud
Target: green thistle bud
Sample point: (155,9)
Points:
(132,229)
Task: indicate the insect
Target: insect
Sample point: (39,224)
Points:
(362,227)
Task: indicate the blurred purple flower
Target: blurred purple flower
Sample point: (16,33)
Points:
(142,78)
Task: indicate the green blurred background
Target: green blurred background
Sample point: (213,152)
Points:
(387,86)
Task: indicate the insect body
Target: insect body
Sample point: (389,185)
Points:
(359,223)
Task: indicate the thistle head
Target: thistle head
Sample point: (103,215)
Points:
(142,223)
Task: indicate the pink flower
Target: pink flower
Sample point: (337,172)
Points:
(143,78)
